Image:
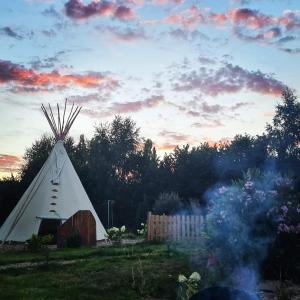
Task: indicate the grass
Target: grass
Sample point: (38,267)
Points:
(142,271)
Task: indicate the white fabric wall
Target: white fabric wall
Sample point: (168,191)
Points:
(36,201)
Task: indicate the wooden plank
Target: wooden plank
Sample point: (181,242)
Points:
(170,230)
(194,228)
(149,226)
(188,227)
(161,229)
(177,227)
(166,224)
(197,227)
(154,229)
(183,228)
(173,228)
(157,228)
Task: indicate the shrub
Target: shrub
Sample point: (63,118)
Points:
(37,242)
(167,203)
(115,233)
(245,218)
(142,231)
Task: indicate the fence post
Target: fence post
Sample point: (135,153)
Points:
(149,227)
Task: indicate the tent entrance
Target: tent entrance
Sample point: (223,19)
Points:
(50,226)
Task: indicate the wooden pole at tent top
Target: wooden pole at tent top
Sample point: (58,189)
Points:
(63,125)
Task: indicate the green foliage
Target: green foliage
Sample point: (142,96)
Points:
(37,242)
(187,287)
(138,278)
(167,203)
(142,231)
(10,192)
(115,234)
(284,133)
(74,240)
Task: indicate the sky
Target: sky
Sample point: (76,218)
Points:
(186,71)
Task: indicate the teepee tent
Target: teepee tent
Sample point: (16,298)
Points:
(56,193)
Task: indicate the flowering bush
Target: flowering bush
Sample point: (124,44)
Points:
(187,287)
(142,232)
(115,233)
(245,217)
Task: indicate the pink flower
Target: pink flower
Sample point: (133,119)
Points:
(284,209)
(248,184)
(222,190)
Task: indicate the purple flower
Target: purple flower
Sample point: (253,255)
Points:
(280,218)
(284,209)
(283,228)
(248,184)
(222,190)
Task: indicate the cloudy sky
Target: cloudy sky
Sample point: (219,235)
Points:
(187,71)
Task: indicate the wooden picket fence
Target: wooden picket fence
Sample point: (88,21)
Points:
(174,228)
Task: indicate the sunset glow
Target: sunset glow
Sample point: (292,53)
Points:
(185,71)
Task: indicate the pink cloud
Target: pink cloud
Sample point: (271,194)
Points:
(127,35)
(30,80)
(249,18)
(126,107)
(211,124)
(76,9)
(228,79)
(166,2)
(241,19)
(174,136)
(9,163)
(189,17)
(134,106)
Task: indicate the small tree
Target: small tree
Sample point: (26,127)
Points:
(168,203)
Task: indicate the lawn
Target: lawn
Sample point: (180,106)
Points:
(141,271)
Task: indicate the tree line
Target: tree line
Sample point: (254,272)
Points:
(118,164)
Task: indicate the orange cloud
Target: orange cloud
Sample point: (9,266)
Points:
(13,73)
(190,17)
(239,17)
(9,163)
(76,9)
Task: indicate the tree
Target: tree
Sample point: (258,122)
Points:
(242,153)
(80,159)
(168,203)
(34,158)
(284,132)
(10,192)
(113,151)
(145,187)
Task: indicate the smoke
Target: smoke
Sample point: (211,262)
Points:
(242,222)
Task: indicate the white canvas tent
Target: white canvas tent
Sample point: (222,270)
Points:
(56,193)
